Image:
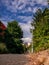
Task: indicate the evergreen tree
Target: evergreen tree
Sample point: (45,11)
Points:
(41,31)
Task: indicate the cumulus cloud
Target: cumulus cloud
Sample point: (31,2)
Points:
(36,8)
(14,5)
(3,20)
(25,18)
(27,40)
(42,2)
(26,31)
(22,10)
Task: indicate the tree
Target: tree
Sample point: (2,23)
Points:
(14,36)
(14,29)
(41,31)
(48,2)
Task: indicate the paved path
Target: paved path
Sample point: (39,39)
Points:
(40,58)
(13,59)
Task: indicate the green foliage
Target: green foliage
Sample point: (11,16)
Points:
(3,48)
(15,29)
(41,31)
(15,35)
(11,39)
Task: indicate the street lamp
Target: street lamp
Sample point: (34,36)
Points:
(32,28)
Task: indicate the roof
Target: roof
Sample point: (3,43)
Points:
(2,26)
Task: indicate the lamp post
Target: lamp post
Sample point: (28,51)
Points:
(32,28)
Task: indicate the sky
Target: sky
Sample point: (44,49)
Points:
(21,11)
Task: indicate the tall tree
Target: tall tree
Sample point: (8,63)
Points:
(41,31)
(14,28)
(10,38)
(14,36)
(48,2)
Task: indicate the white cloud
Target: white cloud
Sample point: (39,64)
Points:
(25,18)
(13,6)
(26,31)
(42,2)
(29,9)
(27,39)
(36,8)
(3,20)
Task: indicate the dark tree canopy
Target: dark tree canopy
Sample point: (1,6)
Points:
(14,28)
(10,41)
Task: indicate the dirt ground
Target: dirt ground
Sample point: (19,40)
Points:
(40,58)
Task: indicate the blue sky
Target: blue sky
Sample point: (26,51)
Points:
(22,11)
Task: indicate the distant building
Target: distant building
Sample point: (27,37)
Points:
(2,28)
(27,44)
